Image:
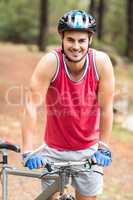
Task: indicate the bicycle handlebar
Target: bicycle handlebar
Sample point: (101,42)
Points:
(9,146)
(68,164)
(60,164)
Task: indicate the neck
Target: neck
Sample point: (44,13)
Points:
(75,68)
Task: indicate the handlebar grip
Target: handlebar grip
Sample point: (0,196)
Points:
(9,146)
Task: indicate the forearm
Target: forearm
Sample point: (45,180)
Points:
(27,140)
(28,129)
(106,122)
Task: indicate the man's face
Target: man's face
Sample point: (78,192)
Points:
(75,45)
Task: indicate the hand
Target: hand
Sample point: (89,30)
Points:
(33,162)
(102,157)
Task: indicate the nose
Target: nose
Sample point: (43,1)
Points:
(76,45)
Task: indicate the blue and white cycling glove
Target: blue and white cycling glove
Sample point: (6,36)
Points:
(102,156)
(34,161)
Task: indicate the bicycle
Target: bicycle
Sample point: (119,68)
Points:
(55,171)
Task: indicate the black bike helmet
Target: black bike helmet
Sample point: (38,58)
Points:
(77,20)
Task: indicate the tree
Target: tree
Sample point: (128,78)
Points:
(101,9)
(42,39)
(130,29)
(97,9)
(92,7)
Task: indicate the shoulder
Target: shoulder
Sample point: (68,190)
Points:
(103,63)
(48,60)
(102,58)
(47,66)
(44,72)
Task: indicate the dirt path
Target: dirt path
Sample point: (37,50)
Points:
(16,66)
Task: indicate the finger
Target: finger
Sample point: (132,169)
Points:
(34,164)
(99,160)
(107,162)
(39,163)
(43,162)
(103,162)
(29,164)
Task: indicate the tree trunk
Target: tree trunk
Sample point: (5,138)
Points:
(101,9)
(130,29)
(43,29)
(92,8)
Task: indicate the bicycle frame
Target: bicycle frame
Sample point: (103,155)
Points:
(58,176)
(56,186)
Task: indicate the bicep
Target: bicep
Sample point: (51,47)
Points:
(106,84)
(42,77)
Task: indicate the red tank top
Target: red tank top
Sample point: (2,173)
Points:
(73,113)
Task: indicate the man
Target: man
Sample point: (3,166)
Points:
(76,83)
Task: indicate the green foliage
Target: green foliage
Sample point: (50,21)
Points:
(53,38)
(115,25)
(58,9)
(18,20)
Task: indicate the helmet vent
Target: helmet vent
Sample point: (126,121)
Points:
(77,20)
(73,18)
(66,19)
(84,18)
(89,19)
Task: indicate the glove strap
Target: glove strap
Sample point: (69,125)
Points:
(25,157)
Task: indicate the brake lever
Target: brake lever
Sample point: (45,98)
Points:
(48,167)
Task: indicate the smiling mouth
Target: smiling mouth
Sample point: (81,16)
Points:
(76,54)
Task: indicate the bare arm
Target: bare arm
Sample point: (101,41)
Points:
(105,95)
(39,84)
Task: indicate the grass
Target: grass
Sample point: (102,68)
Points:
(122,134)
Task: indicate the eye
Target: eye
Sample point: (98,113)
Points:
(70,39)
(82,40)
